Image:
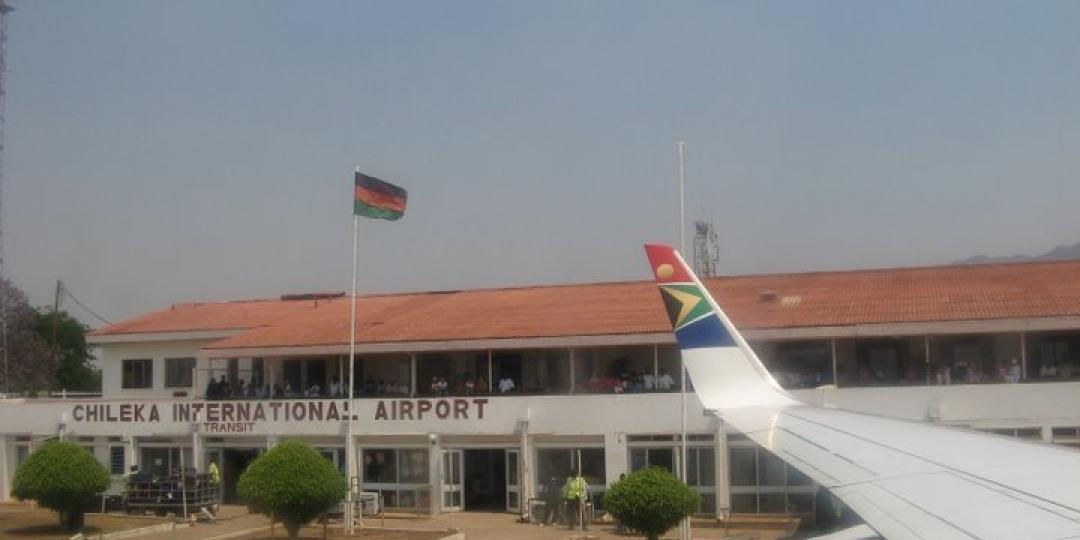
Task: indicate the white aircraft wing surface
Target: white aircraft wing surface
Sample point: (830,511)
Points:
(907,480)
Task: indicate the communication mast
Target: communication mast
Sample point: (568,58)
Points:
(5,8)
(706,249)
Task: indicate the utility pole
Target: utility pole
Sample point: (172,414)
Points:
(5,8)
(56,316)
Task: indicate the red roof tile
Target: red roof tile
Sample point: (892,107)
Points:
(947,293)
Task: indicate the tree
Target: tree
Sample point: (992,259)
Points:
(651,501)
(61,476)
(292,483)
(29,368)
(73,368)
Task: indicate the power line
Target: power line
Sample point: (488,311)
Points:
(67,292)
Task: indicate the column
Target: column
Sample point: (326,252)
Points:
(196,448)
(1023,356)
(926,355)
(615,456)
(573,371)
(133,456)
(412,374)
(435,473)
(5,455)
(832,359)
(723,477)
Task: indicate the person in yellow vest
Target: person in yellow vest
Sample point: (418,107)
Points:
(214,472)
(576,492)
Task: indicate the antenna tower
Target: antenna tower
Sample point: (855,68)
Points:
(706,249)
(5,8)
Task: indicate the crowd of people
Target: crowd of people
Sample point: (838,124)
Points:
(631,382)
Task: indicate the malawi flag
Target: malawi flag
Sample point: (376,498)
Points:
(377,199)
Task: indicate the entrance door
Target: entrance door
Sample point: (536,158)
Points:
(513,481)
(452,486)
(235,463)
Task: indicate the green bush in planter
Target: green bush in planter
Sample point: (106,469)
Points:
(61,476)
(651,501)
(291,483)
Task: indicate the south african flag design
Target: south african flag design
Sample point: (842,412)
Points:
(693,318)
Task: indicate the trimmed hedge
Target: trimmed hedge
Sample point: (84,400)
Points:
(292,483)
(651,501)
(61,476)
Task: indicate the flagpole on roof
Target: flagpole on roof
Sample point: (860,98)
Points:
(684,526)
(350,451)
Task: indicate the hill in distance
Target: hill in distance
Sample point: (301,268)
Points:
(1060,253)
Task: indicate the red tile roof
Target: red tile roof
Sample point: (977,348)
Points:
(946,293)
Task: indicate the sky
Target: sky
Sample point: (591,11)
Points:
(161,152)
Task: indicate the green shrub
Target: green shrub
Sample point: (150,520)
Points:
(291,483)
(651,501)
(61,476)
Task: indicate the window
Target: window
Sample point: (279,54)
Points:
(178,372)
(396,466)
(21,453)
(652,457)
(762,482)
(138,373)
(560,462)
(116,460)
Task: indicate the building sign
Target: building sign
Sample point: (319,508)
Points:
(215,416)
(243,416)
(442,409)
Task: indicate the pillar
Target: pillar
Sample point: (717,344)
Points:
(1023,356)
(435,471)
(723,477)
(835,370)
(5,456)
(616,456)
(412,375)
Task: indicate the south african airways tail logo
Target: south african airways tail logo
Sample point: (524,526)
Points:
(689,309)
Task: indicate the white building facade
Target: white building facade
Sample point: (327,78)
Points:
(594,375)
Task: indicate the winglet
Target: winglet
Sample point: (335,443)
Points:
(724,369)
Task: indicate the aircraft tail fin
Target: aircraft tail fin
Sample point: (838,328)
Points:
(724,369)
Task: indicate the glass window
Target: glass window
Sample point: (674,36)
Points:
(652,457)
(178,372)
(462,373)
(561,462)
(770,469)
(138,373)
(414,466)
(116,460)
(744,503)
(21,453)
(395,466)
(701,466)
(743,466)
(380,466)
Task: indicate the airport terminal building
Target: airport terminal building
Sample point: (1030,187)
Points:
(469,399)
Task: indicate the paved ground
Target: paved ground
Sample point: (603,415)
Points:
(499,526)
(26,521)
(237,524)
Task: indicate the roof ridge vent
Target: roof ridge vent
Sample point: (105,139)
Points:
(313,295)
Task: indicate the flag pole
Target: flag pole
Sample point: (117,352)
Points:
(684,527)
(350,451)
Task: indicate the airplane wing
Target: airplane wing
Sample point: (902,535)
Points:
(907,480)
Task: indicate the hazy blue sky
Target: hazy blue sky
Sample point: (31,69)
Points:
(171,151)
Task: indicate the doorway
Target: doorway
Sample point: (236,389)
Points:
(485,479)
(234,462)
